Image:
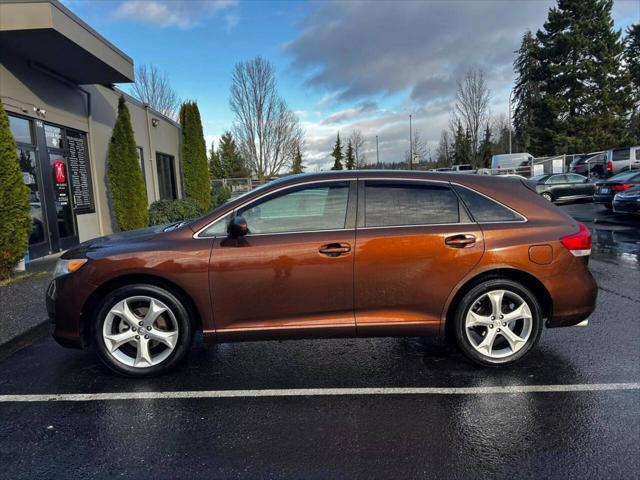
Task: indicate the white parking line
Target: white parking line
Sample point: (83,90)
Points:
(319,392)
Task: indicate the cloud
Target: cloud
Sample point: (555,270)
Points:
(183,14)
(366,107)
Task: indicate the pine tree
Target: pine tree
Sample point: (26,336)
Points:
(632,59)
(195,170)
(230,158)
(461,146)
(14,203)
(584,103)
(486,148)
(126,183)
(526,92)
(350,160)
(216,169)
(297,166)
(337,154)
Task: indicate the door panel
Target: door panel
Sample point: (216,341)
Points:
(403,276)
(283,281)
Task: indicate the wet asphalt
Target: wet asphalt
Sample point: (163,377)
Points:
(587,434)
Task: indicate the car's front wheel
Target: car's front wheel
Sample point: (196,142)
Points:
(142,330)
(498,322)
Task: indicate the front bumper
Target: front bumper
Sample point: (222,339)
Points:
(64,300)
(631,206)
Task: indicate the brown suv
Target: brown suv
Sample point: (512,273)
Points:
(377,253)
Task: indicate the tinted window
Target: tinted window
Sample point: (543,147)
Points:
(166,176)
(637,153)
(484,209)
(556,179)
(465,167)
(397,204)
(573,178)
(620,154)
(21,129)
(308,209)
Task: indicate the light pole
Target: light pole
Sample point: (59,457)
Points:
(377,154)
(510,93)
(410,145)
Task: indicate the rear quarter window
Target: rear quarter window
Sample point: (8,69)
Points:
(484,209)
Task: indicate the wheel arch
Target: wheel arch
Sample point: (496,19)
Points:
(531,282)
(92,303)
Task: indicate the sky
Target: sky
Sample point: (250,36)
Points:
(339,65)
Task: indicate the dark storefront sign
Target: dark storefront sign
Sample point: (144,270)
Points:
(81,190)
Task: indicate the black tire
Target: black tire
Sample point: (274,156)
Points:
(467,302)
(547,196)
(608,206)
(180,312)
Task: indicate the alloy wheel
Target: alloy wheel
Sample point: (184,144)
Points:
(547,196)
(499,324)
(140,331)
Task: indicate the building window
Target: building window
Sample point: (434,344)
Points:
(166,176)
(53,136)
(21,130)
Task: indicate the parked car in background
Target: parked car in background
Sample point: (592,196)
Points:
(340,254)
(510,161)
(622,159)
(590,165)
(627,201)
(463,168)
(563,186)
(607,189)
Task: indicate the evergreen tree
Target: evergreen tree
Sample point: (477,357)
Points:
(14,203)
(216,169)
(486,148)
(584,103)
(526,92)
(126,183)
(230,158)
(350,160)
(461,146)
(337,154)
(632,59)
(296,165)
(193,155)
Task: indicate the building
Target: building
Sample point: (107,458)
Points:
(56,84)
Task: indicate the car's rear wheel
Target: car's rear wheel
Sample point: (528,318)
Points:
(547,196)
(498,322)
(142,330)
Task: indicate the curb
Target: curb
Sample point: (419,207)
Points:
(24,339)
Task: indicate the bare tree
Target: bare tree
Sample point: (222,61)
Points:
(444,153)
(268,133)
(472,107)
(153,88)
(420,149)
(357,141)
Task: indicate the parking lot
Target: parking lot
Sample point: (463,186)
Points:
(351,408)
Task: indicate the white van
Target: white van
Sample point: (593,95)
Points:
(510,161)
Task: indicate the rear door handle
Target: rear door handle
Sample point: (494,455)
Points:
(460,241)
(335,249)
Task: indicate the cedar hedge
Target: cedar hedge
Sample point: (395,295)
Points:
(15,220)
(127,188)
(195,168)
(169,211)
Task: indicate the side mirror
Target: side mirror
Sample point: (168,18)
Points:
(237,227)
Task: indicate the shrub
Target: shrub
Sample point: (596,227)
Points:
(195,168)
(15,221)
(128,192)
(219,196)
(169,211)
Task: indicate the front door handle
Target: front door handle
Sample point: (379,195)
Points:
(460,241)
(335,249)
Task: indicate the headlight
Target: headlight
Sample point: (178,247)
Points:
(63,267)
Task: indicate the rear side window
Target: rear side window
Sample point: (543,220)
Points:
(620,154)
(398,204)
(485,209)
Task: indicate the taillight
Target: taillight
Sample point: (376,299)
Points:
(609,166)
(579,244)
(621,188)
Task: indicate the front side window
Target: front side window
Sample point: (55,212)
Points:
(484,210)
(576,178)
(405,204)
(305,209)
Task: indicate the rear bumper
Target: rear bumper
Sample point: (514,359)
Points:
(574,295)
(605,199)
